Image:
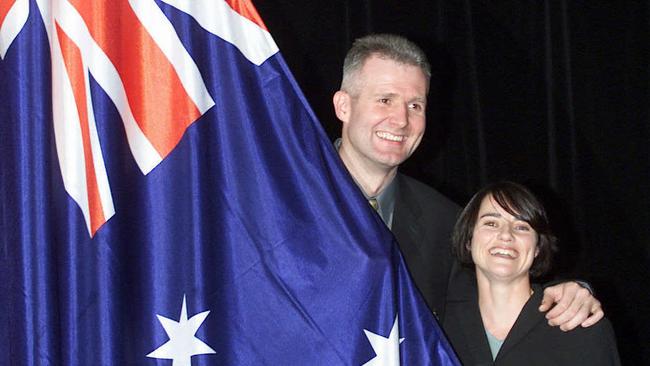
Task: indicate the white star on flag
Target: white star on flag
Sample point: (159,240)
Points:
(182,344)
(387,349)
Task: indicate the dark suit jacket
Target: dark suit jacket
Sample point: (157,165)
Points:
(531,340)
(423,220)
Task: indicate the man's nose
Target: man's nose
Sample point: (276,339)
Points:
(400,114)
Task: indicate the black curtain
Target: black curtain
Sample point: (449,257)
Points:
(553,94)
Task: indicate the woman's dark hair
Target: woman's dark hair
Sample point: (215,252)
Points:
(518,201)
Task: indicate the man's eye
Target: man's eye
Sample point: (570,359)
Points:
(416,106)
(384,100)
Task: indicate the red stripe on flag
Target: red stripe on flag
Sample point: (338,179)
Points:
(5,5)
(246,9)
(74,66)
(158,100)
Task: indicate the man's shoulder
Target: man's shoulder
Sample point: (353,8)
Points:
(425,194)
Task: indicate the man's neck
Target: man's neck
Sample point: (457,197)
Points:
(371,181)
(373,186)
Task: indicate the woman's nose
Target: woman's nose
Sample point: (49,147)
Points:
(505,233)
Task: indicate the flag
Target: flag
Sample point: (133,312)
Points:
(168,197)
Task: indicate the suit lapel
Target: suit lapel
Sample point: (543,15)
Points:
(422,222)
(407,219)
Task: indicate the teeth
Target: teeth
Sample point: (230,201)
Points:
(389,136)
(502,251)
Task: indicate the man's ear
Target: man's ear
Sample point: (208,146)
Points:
(341,102)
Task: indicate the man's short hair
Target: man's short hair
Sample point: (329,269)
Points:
(386,46)
(518,201)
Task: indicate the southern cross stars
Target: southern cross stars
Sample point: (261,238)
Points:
(182,344)
(387,349)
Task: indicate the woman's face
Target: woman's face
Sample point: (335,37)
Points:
(503,247)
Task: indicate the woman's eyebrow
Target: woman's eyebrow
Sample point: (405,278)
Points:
(490,214)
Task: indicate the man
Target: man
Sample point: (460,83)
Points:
(382,104)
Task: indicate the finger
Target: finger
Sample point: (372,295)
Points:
(571,306)
(547,303)
(559,309)
(573,321)
(551,295)
(595,316)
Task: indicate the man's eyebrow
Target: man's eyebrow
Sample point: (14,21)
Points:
(386,94)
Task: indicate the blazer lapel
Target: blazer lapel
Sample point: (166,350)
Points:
(527,320)
(474,332)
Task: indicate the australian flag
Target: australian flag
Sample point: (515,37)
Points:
(167,197)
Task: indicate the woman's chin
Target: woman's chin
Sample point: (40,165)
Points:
(503,273)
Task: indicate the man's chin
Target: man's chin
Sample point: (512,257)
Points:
(392,162)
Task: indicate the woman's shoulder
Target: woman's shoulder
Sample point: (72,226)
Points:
(534,338)
(594,345)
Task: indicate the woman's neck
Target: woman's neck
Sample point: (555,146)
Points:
(501,302)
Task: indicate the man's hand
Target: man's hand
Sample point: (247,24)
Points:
(574,305)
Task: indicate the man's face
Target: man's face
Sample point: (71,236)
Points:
(383,114)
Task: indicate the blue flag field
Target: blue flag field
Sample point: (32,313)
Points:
(167,197)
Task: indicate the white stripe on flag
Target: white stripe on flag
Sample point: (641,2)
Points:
(98,158)
(163,33)
(12,24)
(67,133)
(218,18)
(72,115)
(108,78)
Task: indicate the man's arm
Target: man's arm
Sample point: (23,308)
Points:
(570,305)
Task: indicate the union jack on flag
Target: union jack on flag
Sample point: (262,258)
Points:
(167,197)
(143,67)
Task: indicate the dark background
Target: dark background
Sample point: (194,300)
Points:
(553,94)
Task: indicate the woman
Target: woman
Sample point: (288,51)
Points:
(504,235)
